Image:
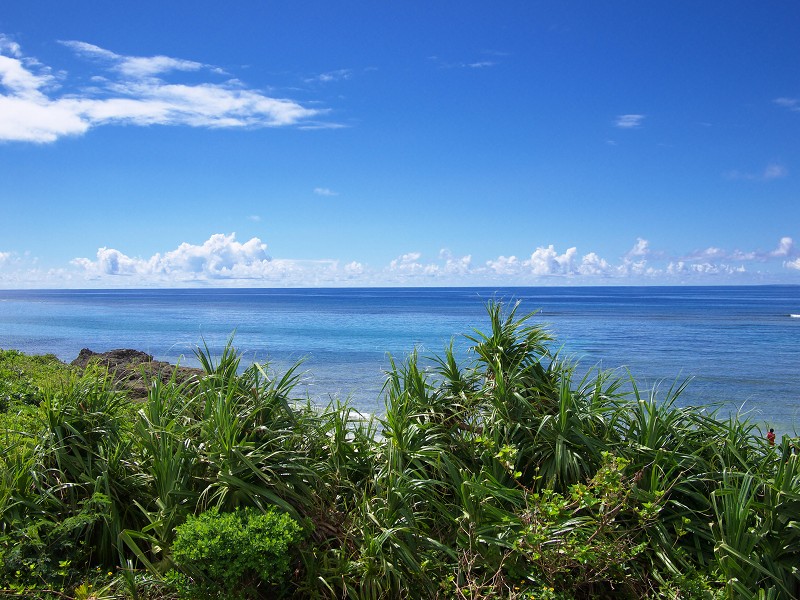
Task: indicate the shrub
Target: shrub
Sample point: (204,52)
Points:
(22,377)
(233,555)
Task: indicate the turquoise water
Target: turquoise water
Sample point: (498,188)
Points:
(739,344)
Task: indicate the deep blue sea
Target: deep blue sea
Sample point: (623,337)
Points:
(738,344)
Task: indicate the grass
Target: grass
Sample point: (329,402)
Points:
(499,475)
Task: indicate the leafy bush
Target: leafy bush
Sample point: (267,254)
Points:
(503,474)
(44,553)
(236,554)
(22,377)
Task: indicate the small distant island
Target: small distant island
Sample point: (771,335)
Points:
(506,475)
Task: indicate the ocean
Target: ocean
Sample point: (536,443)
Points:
(739,345)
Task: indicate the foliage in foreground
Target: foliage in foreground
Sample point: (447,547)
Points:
(507,475)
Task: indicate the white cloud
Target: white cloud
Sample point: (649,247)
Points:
(481,64)
(774,172)
(222,260)
(640,248)
(455,265)
(592,264)
(354,268)
(31,111)
(785,247)
(322,191)
(769,173)
(475,64)
(221,256)
(9,47)
(546,261)
(331,76)
(16,76)
(504,265)
(134,66)
(634,268)
(790,103)
(705,268)
(709,253)
(408,265)
(629,121)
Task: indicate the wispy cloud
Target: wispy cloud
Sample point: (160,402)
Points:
(137,67)
(474,64)
(129,90)
(254,218)
(682,269)
(784,249)
(629,121)
(790,103)
(9,47)
(323,191)
(481,64)
(331,76)
(774,172)
(769,173)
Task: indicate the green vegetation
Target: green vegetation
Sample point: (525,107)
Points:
(508,476)
(232,554)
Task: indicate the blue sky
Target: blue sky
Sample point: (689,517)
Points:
(408,143)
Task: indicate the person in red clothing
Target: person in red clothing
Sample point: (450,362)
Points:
(771,437)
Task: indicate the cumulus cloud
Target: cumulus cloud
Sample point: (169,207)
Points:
(222,260)
(221,256)
(504,265)
(640,248)
(354,268)
(593,265)
(635,268)
(546,261)
(785,247)
(131,90)
(455,265)
(629,121)
(408,264)
(323,191)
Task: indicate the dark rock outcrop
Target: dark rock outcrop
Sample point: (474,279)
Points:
(133,370)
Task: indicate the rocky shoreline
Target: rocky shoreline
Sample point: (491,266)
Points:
(133,370)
